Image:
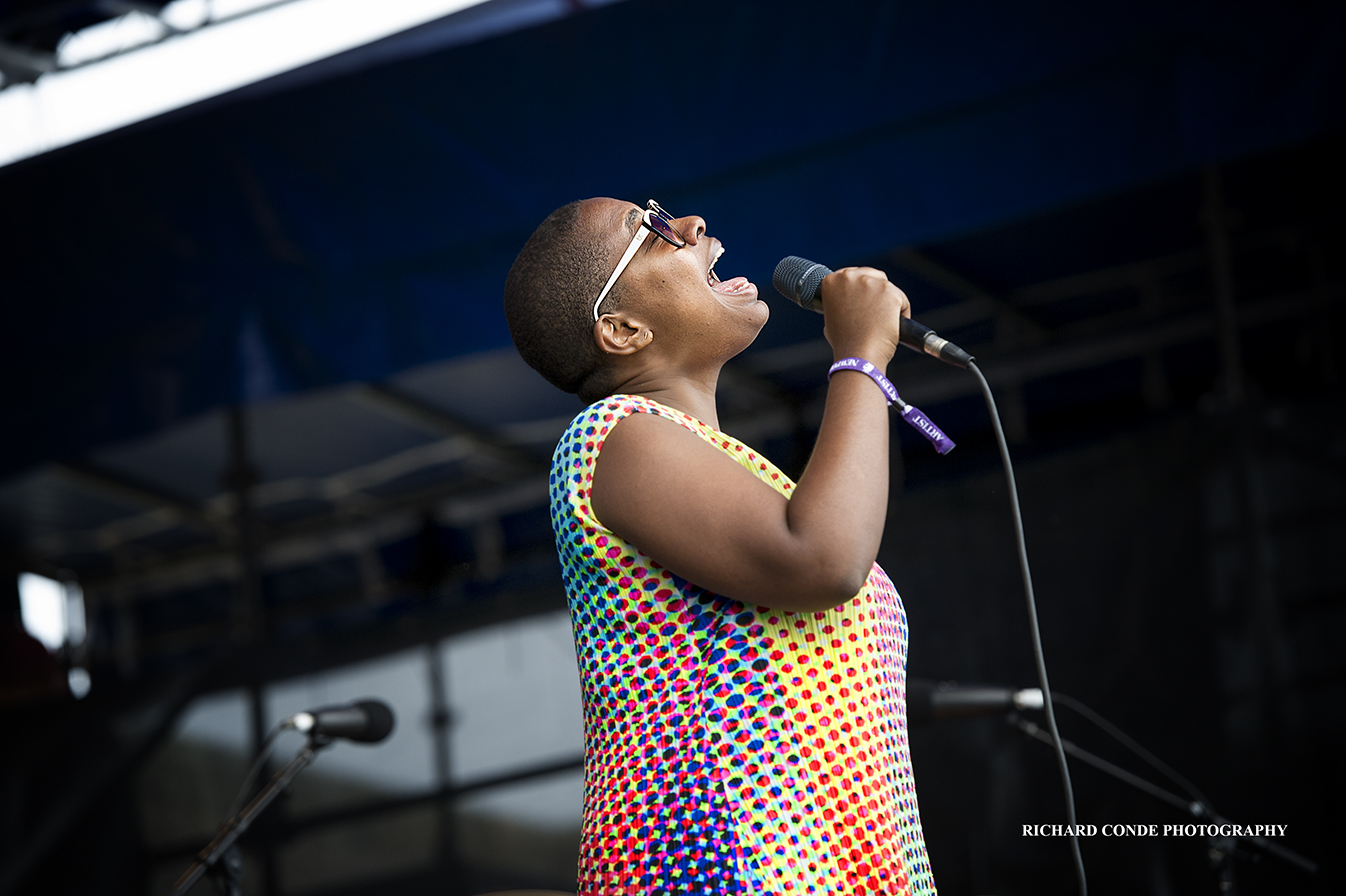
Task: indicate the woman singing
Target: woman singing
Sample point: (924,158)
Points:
(742,657)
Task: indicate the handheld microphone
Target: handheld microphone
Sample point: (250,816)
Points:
(365,721)
(931,702)
(799,279)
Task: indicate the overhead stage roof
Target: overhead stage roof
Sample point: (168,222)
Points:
(356,226)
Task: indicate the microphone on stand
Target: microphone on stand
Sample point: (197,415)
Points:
(929,701)
(365,721)
(799,280)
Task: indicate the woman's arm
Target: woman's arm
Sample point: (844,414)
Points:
(703,516)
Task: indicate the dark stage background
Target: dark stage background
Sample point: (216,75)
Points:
(264,413)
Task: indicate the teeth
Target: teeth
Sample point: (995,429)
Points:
(710,274)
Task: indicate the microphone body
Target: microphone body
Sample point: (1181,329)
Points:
(800,281)
(928,701)
(365,721)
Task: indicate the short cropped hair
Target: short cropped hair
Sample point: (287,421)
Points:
(549,300)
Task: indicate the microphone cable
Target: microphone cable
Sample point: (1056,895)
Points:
(1038,657)
(1131,744)
(263,753)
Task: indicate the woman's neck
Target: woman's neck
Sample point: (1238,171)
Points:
(694,396)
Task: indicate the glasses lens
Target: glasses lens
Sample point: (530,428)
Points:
(661,222)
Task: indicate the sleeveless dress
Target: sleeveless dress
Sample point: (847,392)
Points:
(730,748)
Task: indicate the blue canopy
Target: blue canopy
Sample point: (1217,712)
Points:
(359,223)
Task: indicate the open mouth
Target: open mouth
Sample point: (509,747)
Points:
(732,287)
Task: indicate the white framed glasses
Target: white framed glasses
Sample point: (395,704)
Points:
(653,220)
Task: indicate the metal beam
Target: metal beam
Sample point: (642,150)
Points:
(988,303)
(400,404)
(311,540)
(340,488)
(241,475)
(376,637)
(21,64)
(122,7)
(1134,275)
(130,489)
(1216,220)
(929,383)
(943,384)
(169,511)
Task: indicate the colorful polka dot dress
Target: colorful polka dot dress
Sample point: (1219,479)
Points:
(730,748)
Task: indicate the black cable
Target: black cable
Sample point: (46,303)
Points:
(1033,628)
(1126,740)
(258,764)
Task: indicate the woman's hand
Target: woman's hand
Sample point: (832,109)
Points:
(862,313)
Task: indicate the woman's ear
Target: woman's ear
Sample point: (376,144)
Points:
(617,334)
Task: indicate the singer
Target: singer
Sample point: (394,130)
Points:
(742,656)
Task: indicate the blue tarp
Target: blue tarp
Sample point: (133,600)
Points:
(358,225)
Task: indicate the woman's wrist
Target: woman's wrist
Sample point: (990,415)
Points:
(869,369)
(878,352)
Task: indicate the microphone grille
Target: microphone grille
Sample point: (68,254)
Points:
(379,724)
(797,279)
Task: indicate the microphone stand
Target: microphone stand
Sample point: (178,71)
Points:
(1222,848)
(220,856)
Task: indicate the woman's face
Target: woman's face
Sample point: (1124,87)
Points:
(691,311)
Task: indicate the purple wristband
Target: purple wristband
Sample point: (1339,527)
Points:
(917,420)
(926,427)
(860,365)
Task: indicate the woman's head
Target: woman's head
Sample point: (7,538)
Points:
(548,296)
(665,308)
